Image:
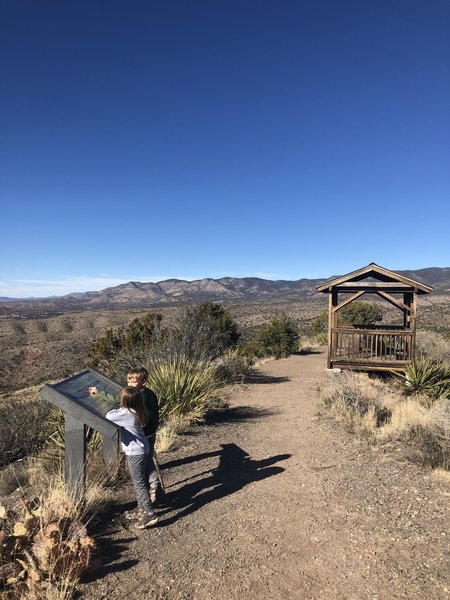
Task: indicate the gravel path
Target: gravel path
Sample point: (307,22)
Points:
(269,501)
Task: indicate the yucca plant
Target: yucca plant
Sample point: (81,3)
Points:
(427,378)
(56,429)
(183,387)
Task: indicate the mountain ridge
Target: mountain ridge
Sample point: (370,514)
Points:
(171,291)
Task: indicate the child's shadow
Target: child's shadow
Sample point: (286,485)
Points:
(235,470)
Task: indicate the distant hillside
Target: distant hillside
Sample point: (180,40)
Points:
(172,291)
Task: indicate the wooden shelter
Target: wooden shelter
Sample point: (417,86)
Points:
(372,348)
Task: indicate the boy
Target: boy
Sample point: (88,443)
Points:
(138,378)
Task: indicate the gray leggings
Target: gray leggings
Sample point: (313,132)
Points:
(140,467)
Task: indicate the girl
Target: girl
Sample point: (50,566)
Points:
(131,417)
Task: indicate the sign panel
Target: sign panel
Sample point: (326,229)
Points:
(76,388)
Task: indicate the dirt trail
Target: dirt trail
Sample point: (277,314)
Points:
(272,502)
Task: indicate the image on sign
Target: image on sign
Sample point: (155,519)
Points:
(77,388)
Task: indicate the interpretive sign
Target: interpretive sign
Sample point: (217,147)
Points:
(82,410)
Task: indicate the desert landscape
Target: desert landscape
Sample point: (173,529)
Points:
(34,332)
(277,492)
(224,241)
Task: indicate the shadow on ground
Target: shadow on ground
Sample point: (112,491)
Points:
(236,414)
(261,378)
(110,550)
(234,471)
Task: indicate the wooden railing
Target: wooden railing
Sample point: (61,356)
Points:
(380,345)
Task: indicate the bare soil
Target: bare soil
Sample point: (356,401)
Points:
(268,500)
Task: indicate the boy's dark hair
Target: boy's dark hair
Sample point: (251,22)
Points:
(131,398)
(140,373)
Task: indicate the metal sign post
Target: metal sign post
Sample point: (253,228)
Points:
(81,410)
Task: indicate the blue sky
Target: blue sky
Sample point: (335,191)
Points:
(143,140)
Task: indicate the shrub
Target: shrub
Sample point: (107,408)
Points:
(440,429)
(22,429)
(6,371)
(203,333)
(184,388)
(233,365)
(319,328)
(279,337)
(427,378)
(355,313)
(360,313)
(45,546)
(134,339)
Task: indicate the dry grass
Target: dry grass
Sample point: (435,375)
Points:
(433,344)
(308,344)
(379,411)
(166,439)
(406,414)
(355,401)
(441,476)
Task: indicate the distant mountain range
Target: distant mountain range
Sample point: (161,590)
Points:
(171,291)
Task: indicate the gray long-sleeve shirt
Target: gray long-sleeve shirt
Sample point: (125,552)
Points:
(132,436)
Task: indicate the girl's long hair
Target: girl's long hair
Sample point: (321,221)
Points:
(131,398)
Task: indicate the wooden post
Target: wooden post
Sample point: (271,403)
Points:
(332,302)
(75,456)
(413,325)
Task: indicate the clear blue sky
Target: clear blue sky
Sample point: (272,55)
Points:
(142,139)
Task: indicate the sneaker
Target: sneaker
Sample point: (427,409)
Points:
(136,513)
(147,520)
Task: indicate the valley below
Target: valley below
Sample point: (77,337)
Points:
(41,348)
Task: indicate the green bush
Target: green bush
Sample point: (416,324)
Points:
(205,331)
(202,333)
(136,339)
(355,313)
(360,313)
(319,328)
(279,337)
